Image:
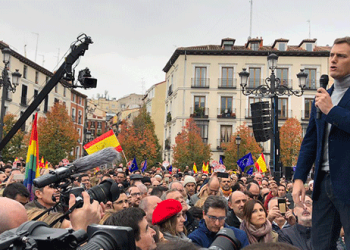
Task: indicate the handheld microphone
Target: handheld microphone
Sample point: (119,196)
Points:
(323,84)
(83,164)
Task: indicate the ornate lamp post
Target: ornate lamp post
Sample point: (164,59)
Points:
(272,88)
(7,86)
(238,142)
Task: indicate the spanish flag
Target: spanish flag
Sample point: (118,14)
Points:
(42,162)
(194,168)
(260,164)
(205,168)
(32,161)
(104,141)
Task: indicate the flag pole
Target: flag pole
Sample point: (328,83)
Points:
(125,157)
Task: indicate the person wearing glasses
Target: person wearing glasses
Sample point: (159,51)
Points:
(256,225)
(169,217)
(214,215)
(134,195)
(299,235)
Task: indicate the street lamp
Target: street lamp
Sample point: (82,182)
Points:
(238,142)
(7,85)
(272,88)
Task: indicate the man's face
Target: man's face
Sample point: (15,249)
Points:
(178,196)
(7,171)
(152,202)
(190,188)
(273,187)
(146,241)
(121,203)
(214,187)
(238,199)
(86,181)
(225,184)
(135,196)
(244,179)
(258,178)
(255,191)
(22,199)
(214,219)
(339,61)
(178,186)
(45,196)
(303,210)
(120,178)
(274,203)
(2,177)
(264,183)
(281,191)
(290,187)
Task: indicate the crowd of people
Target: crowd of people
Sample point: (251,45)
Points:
(182,207)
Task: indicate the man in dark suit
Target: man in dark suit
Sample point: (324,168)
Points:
(327,145)
(236,203)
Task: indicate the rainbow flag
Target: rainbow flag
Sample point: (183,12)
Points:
(104,141)
(32,161)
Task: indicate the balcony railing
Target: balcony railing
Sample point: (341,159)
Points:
(254,83)
(23,101)
(312,84)
(168,117)
(227,83)
(170,90)
(199,112)
(226,113)
(167,145)
(285,114)
(287,82)
(200,83)
(305,114)
(73,118)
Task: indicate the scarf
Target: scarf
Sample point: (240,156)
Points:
(226,193)
(255,234)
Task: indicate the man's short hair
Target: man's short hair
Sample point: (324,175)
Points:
(129,217)
(342,40)
(281,185)
(251,183)
(13,189)
(214,201)
(81,177)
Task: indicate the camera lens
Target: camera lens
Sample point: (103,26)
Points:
(107,191)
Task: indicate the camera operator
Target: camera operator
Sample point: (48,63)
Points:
(136,219)
(214,215)
(45,198)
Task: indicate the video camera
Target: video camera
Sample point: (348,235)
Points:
(37,235)
(225,240)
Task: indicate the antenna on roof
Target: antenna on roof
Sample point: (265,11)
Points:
(251,18)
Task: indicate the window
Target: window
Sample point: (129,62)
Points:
(199,106)
(73,114)
(78,130)
(36,77)
(56,101)
(99,124)
(92,124)
(79,100)
(225,133)
(47,79)
(254,77)
(23,127)
(56,88)
(227,77)
(226,106)
(311,79)
(24,95)
(283,108)
(46,105)
(282,47)
(254,46)
(282,74)
(252,100)
(200,77)
(307,107)
(79,117)
(64,91)
(25,69)
(309,47)
(73,97)
(203,126)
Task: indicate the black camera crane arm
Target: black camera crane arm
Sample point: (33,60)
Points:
(65,70)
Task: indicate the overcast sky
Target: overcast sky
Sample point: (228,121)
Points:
(134,39)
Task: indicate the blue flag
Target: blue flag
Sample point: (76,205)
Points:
(294,167)
(246,160)
(144,166)
(133,166)
(250,171)
(170,169)
(220,161)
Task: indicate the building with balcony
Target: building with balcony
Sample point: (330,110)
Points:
(205,85)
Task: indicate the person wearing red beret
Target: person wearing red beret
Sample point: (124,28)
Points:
(168,216)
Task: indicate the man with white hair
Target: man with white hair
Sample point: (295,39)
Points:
(12,214)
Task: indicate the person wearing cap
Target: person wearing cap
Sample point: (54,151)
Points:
(168,216)
(190,186)
(146,181)
(135,178)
